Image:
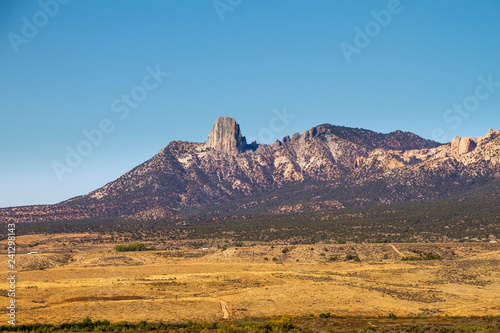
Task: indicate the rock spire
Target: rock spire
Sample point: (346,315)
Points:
(226,136)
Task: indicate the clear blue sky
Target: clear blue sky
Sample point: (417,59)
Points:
(65,70)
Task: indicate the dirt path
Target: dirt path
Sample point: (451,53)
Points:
(397,251)
(225,312)
(224,307)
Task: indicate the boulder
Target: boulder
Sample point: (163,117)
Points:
(466,145)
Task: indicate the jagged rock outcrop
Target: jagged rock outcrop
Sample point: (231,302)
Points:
(226,136)
(463,145)
(326,167)
(455,143)
(466,145)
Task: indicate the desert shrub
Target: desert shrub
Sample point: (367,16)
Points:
(431,256)
(282,324)
(422,256)
(352,257)
(332,258)
(135,246)
(411,258)
(145,326)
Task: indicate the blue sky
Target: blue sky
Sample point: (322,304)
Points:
(68,67)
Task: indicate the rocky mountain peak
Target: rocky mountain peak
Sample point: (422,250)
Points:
(226,136)
(342,166)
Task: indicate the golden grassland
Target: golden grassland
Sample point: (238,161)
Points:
(75,280)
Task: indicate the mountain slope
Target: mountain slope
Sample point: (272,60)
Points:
(345,167)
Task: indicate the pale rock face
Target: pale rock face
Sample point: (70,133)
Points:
(455,143)
(466,145)
(226,136)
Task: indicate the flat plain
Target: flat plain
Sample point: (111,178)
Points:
(72,279)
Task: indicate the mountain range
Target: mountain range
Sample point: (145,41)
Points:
(325,168)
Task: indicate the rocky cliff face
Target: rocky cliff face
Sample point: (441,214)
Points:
(344,166)
(226,137)
(466,144)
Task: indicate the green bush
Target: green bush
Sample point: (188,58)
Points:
(352,257)
(431,256)
(135,246)
(282,324)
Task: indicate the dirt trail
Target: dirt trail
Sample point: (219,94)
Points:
(397,251)
(224,307)
(225,312)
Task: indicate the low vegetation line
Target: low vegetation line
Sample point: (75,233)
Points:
(422,256)
(135,246)
(322,322)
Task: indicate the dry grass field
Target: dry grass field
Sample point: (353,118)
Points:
(71,280)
